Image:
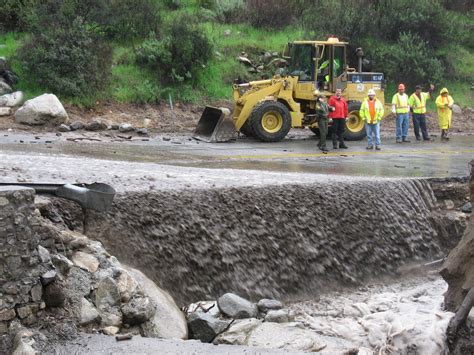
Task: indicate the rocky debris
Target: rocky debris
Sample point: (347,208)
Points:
(63,128)
(54,294)
(265,305)
(126,285)
(44,255)
(138,310)
(88,313)
(457,109)
(96,125)
(169,321)
(85,261)
(126,127)
(205,327)
(238,332)
(467,207)
(44,109)
(107,299)
(23,343)
(110,330)
(5,111)
(449,205)
(142,131)
(76,126)
(62,263)
(12,100)
(209,307)
(265,62)
(48,277)
(280,316)
(236,307)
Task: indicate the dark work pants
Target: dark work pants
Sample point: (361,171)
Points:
(323,131)
(419,121)
(338,128)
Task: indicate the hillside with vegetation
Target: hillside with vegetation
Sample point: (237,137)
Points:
(144,51)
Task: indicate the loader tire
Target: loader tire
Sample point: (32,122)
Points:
(270,121)
(355,127)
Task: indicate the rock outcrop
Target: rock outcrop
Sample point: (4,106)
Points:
(458,270)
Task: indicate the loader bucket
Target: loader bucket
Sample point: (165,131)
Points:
(215,125)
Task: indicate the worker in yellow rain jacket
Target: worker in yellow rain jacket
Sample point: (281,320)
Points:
(444,103)
(417,103)
(371,111)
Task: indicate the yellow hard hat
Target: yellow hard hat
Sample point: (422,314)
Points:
(444,91)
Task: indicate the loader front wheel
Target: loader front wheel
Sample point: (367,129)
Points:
(247,129)
(355,127)
(270,121)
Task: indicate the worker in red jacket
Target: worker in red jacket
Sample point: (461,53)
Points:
(338,117)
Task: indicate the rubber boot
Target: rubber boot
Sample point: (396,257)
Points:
(342,145)
(334,141)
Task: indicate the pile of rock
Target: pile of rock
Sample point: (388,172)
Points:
(99,124)
(236,321)
(48,270)
(265,62)
(101,293)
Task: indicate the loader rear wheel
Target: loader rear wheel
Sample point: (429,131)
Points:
(355,127)
(270,121)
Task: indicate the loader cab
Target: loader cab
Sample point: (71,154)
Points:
(301,64)
(322,62)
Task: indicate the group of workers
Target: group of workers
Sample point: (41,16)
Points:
(372,111)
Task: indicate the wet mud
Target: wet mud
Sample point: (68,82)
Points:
(287,242)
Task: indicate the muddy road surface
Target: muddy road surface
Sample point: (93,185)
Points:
(178,161)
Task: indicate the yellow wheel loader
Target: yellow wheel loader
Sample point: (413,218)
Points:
(268,109)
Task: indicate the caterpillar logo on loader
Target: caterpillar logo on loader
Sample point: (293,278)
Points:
(268,109)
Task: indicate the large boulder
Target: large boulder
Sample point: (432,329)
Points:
(12,100)
(236,307)
(169,321)
(44,109)
(205,327)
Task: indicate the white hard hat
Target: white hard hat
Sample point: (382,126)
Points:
(371,92)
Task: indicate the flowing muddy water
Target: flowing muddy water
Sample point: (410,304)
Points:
(288,242)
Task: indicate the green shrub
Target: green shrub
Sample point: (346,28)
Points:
(71,61)
(271,13)
(179,54)
(409,60)
(13,14)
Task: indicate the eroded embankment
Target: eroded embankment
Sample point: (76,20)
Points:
(280,241)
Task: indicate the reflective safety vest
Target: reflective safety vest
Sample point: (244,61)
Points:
(418,104)
(400,102)
(364,111)
(325,64)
